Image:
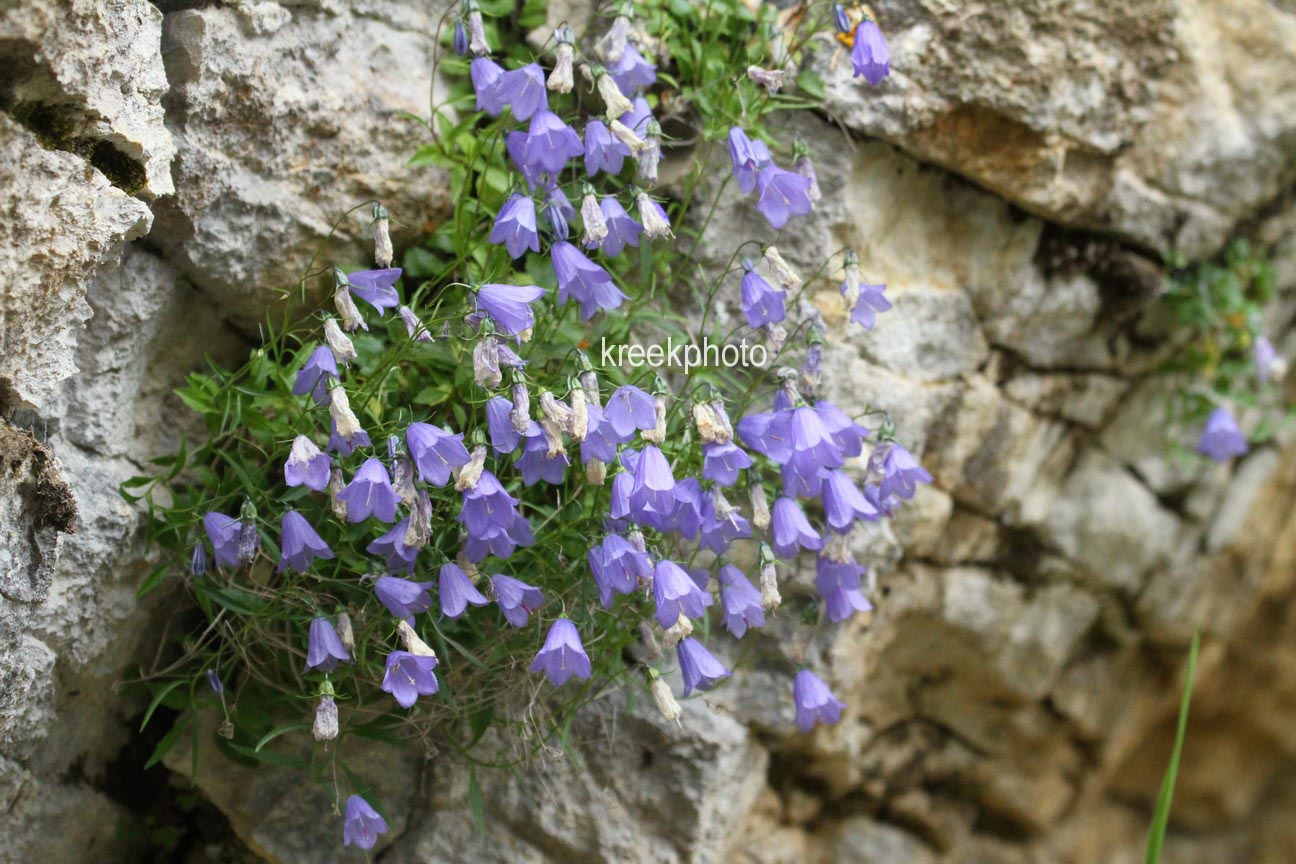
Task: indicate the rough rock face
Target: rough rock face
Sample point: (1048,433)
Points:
(1013,697)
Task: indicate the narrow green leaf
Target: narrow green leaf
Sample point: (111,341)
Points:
(1161,817)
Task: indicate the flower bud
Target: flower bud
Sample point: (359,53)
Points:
(579,427)
(345,632)
(343,350)
(770,79)
(613,44)
(198,561)
(595,472)
(770,599)
(705,420)
(520,416)
(460,41)
(471,473)
(420,521)
(841,19)
(724,428)
(214,682)
(477,43)
(596,229)
(647,161)
(413,644)
(657,434)
(665,700)
(589,383)
(560,79)
(760,506)
(486,370)
(803,166)
(344,420)
(413,326)
(335,485)
(783,272)
(249,540)
(626,136)
(681,629)
(326,719)
(382,237)
(650,216)
(346,307)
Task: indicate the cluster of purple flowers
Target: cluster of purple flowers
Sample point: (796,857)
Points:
(622,437)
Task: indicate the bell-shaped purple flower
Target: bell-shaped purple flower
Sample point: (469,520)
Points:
(410,676)
(314,377)
(500,542)
(435,451)
(617,567)
(812,441)
(869,54)
(1221,440)
(815,703)
(516,599)
(370,493)
(523,90)
(698,668)
(509,306)
(843,501)
(768,433)
(516,144)
(901,472)
(324,650)
(739,600)
(562,656)
(402,597)
(1268,363)
(515,226)
(629,409)
(791,529)
(690,509)
(603,150)
(400,555)
(456,591)
(581,279)
(299,543)
(504,438)
(721,523)
(376,287)
(638,117)
(846,433)
(838,583)
(601,439)
(631,71)
(622,229)
(486,75)
(306,465)
(550,142)
(535,463)
(748,158)
(782,195)
(654,483)
(762,303)
(675,594)
(870,301)
(361,824)
(223,532)
(722,462)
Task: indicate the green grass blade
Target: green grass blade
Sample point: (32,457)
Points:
(1161,818)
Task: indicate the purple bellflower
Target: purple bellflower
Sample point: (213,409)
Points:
(638,117)
(400,555)
(1269,364)
(792,530)
(435,451)
(815,703)
(722,462)
(536,464)
(1221,439)
(675,594)
(838,583)
(628,409)
(486,76)
(361,825)
(868,303)
(631,71)
(516,599)
(562,656)
(223,532)
(515,226)
(748,158)
(601,439)
(314,377)
(901,472)
(689,514)
(699,669)
(324,650)
(581,279)
(769,434)
(509,306)
(370,493)
(783,194)
(402,597)
(376,287)
(523,90)
(306,465)
(299,543)
(456,591)
(721,523)
(869,54)
(503,437)
(622,229)
(843,502)
(762,303)
(410,676)
(739,600)
(617,567)
(515,143)
(845,432)
(603,151)
(550,142)
(654,484)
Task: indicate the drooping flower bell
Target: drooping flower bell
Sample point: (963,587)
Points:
(325,727)
(563,656)
(762,303)
(615,103)
(361,825)
(655,223)
(662,697)
(869,54)
(516,599)
(456,591)
(509,306)
(223,532)
(603,151)
(843,501)
(402,597)
(1269,364)
(486,75)
(413,326)
(375,287)
(343,348)
(782,195)
(477,43)
(306,465)
(650,158)
(523,90)
(581,279)
(1221,439)
(815,703)
(314,377)
(622,229)
(631,71)
(515,226)
(592,218)
(802,164)
(617,567)
(346,307)
(901,472)
(370,493)
(838,583)
(721,522)
(792,531)
(550,142)
(324,650)
(436,452)
(560,79)
(698,667)
(675,594)
(739,600)
(748,157)
(410,676)
(299,543)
